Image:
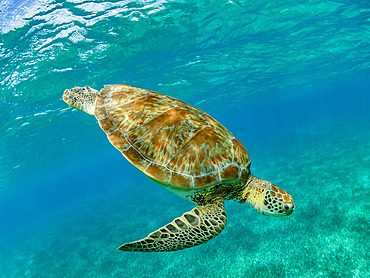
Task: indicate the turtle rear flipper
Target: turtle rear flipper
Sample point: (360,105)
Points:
(195,227)
(82,98)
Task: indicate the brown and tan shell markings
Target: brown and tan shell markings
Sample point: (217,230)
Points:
(172,142)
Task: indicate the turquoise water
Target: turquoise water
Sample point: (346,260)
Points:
(290,79)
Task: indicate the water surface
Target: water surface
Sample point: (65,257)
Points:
(290,80)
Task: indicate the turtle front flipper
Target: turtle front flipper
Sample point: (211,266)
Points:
(195,227)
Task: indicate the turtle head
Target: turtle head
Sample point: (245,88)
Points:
(267,198)
(82,98)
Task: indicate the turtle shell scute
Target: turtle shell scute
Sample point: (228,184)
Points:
(171,141)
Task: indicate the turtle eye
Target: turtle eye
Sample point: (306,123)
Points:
(288,206)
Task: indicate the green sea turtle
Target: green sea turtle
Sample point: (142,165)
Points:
(187,152)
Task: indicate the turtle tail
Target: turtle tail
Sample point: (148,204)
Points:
(82,98)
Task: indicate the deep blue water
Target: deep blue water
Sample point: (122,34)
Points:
(290,80)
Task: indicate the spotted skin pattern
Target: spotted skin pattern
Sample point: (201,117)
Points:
(195,227)
(82,98)
(186,151)
(266,198)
